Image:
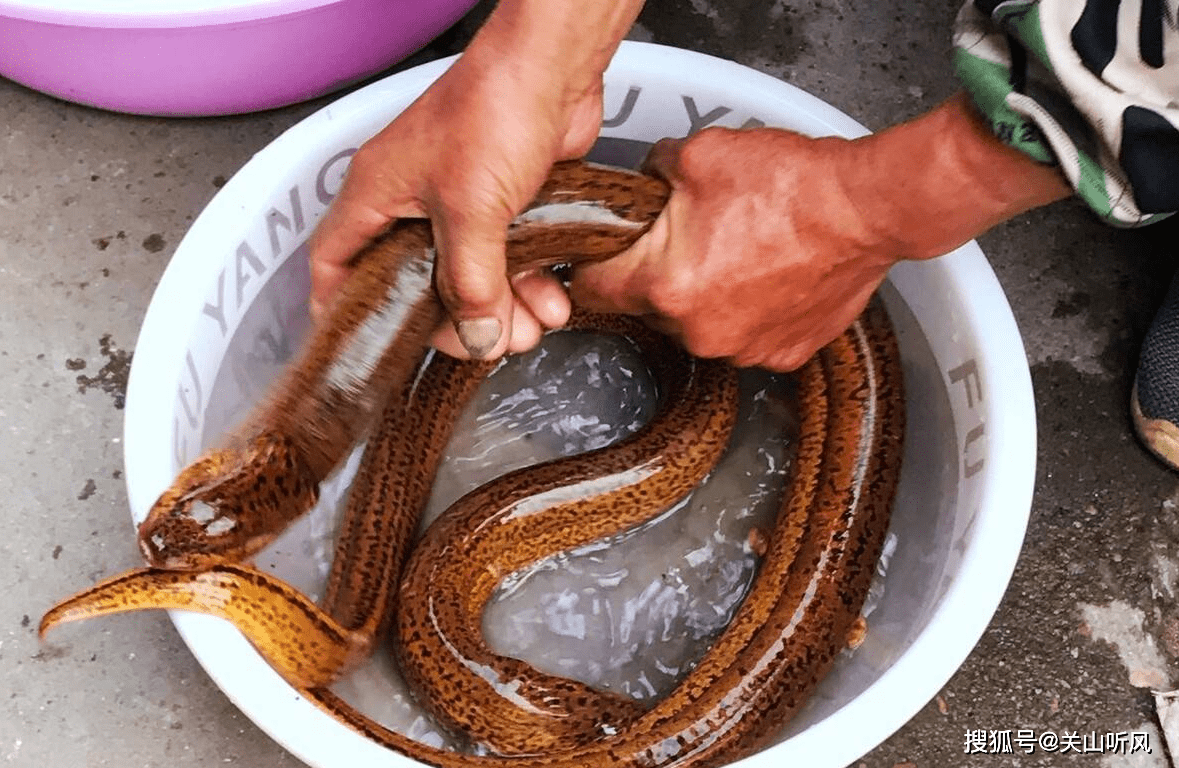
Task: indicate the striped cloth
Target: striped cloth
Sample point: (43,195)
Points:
(1091,85)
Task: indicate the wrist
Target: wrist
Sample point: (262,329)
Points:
(936,182)
(562,48)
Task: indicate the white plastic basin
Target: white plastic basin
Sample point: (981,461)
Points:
(969,465)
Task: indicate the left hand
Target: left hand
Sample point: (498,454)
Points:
(760,256)
(772,243)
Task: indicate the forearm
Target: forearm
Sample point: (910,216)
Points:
(936,182)
(1094,89)
(566,43)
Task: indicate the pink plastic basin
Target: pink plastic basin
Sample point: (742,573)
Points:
(209,57)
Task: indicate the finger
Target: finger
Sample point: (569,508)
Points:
(326,279)
(782,361)
(544,297)
(664,160)
(470,274)
(345,229)
(584,124)
(526,331)
(445,339)
(772,348)
(664,325)
(620,283)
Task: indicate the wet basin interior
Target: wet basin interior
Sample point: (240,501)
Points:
(617,614)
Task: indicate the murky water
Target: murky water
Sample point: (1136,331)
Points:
(630,613)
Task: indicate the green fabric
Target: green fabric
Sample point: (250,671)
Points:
(1022,19)
(989,85)
(1079,130)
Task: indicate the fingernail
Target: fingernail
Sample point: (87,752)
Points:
(479,335)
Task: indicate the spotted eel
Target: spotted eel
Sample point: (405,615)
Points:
(353,373)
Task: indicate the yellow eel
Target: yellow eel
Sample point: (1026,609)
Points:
(367,365)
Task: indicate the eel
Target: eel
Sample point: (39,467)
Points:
(364,366)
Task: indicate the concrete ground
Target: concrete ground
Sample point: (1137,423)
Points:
(93,204)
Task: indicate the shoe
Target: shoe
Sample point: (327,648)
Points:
(1154,401)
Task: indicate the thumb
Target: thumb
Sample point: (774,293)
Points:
(470,273)
(622,283)
(664,160)
(343,232)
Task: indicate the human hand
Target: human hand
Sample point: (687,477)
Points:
(772,243)
(760,255)
(470,154)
